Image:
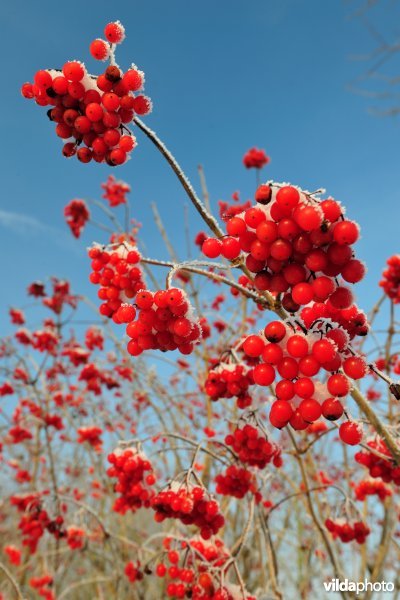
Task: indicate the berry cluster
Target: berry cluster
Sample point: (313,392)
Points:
(390,281)
(133,571)
(199,577)
(377,465)
(252,446)
(194,579)
(92,113)
(35,521)
(236,482)
(229,380)
(372,487)
(165,321)
(288,350)
(352,319)
(192,505)
(117,272)
(347,532)
(255,159)
(135,477)
(295,245)
(76,214)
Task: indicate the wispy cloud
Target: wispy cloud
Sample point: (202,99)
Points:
(26,225)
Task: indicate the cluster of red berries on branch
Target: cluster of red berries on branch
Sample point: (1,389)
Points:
(92,113)
(252,446)
(390,281)
(347,532)
(76,214)
(196,579)
(133,571)
(228,380)
(237,482)
(372,487)
(165,321)
(191,504)
(35,521)
(377,465)
(296,245)
(352,319)
(286,349)
(116,270)
(135,478)
(255,158)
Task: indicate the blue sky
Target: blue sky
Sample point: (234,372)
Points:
(224,76)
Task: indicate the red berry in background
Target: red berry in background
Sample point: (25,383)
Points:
(351,433)
(114,32)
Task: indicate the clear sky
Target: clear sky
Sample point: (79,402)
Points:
(224,76)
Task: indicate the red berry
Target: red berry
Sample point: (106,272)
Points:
(263,194)
(280,413)
(43,79)
(211,247)
(142,105)
(338,385)
(263,374)
(287,197)
(310,410)
(332,409)
(230,248)
(73,71)
(302,293)
(351,433)
(275,331)
(346,232)
(93,111)
(297,346)
(308,217)
(133,80)
(355,367)
(324,350)
(253,346)
(114,32)
(99,49)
